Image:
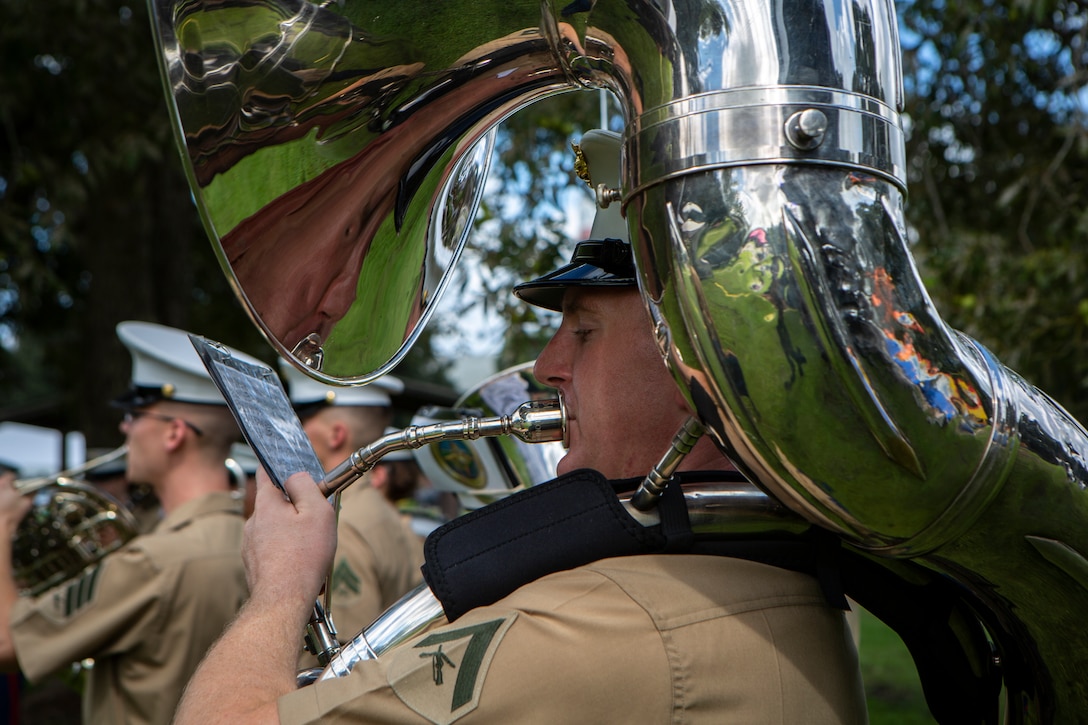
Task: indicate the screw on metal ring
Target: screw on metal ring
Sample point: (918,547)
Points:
(805,129)
(606,195)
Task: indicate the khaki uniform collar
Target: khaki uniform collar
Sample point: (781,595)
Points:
(212,503)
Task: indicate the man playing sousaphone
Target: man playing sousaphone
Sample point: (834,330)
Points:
(657,637)
(146,612)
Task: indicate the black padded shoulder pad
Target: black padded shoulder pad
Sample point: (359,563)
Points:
(486,554)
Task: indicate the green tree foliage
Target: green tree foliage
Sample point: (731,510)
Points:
(523,226)
(998,178)
(96,221)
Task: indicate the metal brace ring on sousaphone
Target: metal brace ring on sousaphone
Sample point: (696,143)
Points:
(764,172)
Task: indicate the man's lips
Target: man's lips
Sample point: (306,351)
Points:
(568,439)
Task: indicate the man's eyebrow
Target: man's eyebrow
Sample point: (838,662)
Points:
(574,304)
(572,307)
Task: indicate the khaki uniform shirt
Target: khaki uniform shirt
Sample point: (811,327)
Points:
(642,639)
(147,614)
(378,559)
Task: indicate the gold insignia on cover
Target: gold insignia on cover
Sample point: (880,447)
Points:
(461,463)
(581,168)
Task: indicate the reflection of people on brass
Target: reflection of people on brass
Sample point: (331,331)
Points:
(357,224)
(304,258)
(298,260)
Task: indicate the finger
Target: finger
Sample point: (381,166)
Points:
(302,490)
(263,479)
(267,492)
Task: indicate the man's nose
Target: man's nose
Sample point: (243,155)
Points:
(552,365)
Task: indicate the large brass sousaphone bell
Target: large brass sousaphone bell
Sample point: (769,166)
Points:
(334,150)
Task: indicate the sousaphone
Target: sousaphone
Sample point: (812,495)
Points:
(337,152)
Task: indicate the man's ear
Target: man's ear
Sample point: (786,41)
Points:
(175,434)
(339,435)
(379,477)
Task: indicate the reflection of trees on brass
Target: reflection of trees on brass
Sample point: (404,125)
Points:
(329,145)
(256,74)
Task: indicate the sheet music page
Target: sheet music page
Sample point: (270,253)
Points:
(269,424)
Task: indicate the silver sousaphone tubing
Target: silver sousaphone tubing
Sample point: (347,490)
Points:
(335,153)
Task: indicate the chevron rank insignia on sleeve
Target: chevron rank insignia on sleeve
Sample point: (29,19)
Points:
(69,599)
(442,675)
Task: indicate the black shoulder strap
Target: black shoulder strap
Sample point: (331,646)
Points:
(576,519)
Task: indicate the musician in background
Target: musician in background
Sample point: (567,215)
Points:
(649,638)
(147,612)
(9,683)
(377,555)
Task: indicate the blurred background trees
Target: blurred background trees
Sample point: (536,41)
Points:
(998,201)
(96,222)
(97,225)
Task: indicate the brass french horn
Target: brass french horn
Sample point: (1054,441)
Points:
(70,526)
(763,184)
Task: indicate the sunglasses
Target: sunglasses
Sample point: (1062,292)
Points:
(132,415)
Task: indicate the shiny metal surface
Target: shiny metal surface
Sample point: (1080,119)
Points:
(763,181)
(416,611)
(815,357)
(536,421)
(71,525)
(335,169)
(485,470)
(337,152)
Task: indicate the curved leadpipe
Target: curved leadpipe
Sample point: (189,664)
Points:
(537,421)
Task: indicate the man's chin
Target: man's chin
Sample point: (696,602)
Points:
(566,465)
(570,463)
